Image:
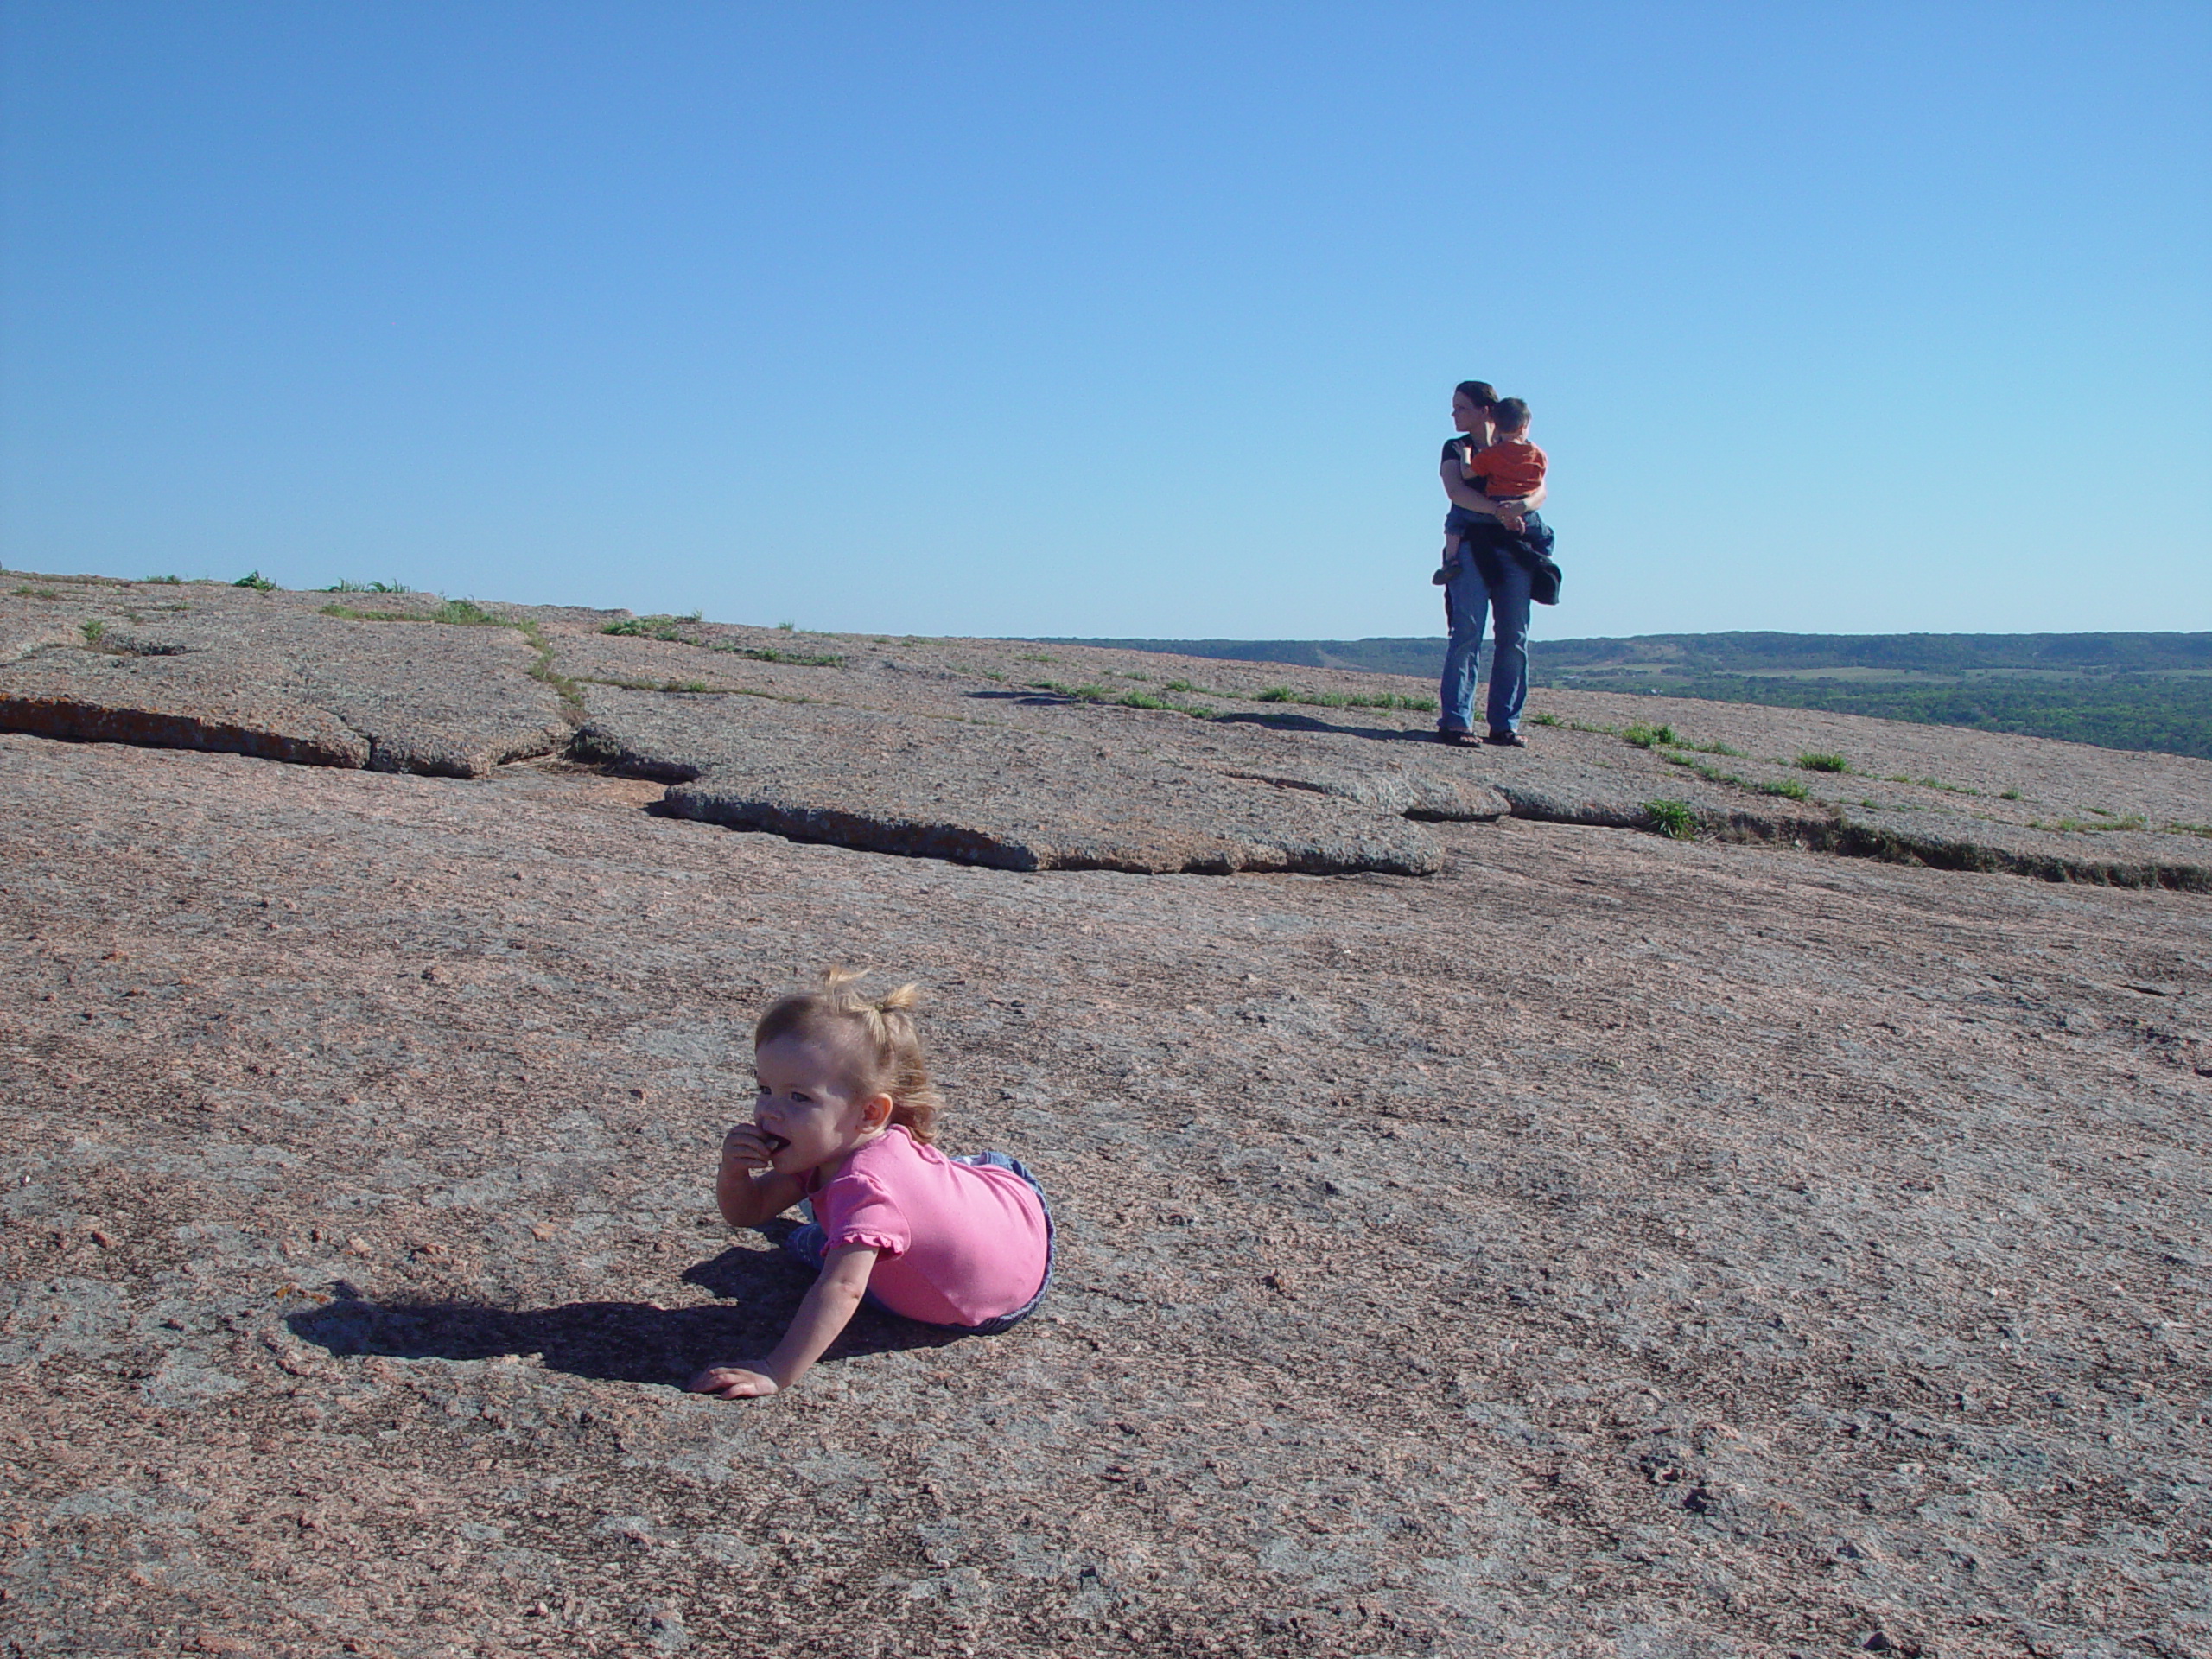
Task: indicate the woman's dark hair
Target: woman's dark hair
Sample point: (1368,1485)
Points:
(1480,393)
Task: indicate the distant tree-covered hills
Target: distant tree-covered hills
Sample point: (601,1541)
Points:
(2119,690)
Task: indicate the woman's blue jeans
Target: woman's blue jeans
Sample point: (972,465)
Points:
(1469,602)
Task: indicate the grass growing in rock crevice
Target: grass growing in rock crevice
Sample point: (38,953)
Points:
(1665,737)
(467,614)
(1147,700)
(1344,699)
(456,613)
(1573,725)
(1675,819)
(672,630)
(1789,789)
(2103,822)
(1933,783)
(1160,699)
(690,688)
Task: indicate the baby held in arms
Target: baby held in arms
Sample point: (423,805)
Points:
(844,1119)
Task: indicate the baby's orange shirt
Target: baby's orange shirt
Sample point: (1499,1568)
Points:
(1509,466)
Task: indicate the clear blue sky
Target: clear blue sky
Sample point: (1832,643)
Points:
(1127,319)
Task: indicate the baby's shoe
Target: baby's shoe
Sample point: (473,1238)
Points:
(1450,569)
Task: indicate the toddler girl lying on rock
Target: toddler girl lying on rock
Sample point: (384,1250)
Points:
(843,1119)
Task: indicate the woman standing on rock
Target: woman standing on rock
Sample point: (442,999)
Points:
(1485,583)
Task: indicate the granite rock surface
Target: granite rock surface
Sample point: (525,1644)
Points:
(1600,1244)
(250,673)
(1027,757)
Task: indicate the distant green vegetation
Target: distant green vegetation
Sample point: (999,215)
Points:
(2117,691)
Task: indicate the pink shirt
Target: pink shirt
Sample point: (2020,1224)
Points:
(956,1244)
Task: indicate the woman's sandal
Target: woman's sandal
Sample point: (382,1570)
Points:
(1507,739)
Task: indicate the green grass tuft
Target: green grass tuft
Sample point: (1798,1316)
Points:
(93,630)
(1816,761)
(1650,737)
(2103,822)
(255,581)
(646,627)
(770,654)
(1672,818)
(459,612)
(1339,699)
(673,630)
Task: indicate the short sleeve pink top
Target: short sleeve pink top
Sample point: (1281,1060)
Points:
(956,1244)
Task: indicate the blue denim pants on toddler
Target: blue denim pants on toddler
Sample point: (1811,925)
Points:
(809,1244)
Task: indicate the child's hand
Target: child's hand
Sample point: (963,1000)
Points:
(1513,521)
(734,1382)
(746,1146)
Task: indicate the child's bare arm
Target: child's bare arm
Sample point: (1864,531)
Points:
(825,1313)
(747,1191)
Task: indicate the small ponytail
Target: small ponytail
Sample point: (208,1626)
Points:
(879,1034)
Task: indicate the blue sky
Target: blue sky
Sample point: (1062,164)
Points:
(1131,319)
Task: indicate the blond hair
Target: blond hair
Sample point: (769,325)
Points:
(878,1036)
